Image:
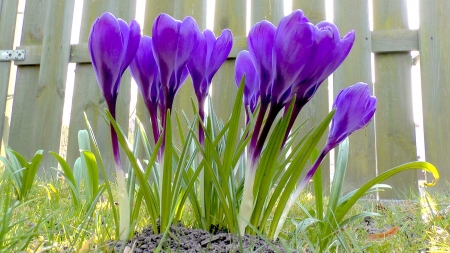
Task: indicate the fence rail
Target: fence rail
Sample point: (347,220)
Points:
(40,83)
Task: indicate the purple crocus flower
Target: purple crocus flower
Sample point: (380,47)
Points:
(145,71)
(112,46)
(210,54)
(293,47)
(260,44)
(329,51)
(244,66)
(292,59)
(174,43)
(355,108)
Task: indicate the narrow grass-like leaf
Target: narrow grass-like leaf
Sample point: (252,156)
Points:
(289,179)
(105,175)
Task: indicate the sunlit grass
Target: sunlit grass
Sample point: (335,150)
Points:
(48,222)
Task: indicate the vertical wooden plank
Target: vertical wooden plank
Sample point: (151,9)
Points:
(87,96)
(228,14)
(354,15)
(394,127)
(25,90)
(435,65)
(52,80)
(152,9)
(8,12)
(272,10)
(316,109)
(182,102)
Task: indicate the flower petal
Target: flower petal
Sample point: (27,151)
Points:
(165,42)
(219,52)
(106,47)
(354,110)
(188,37)
(133,40)
(145,71)
(294,40)
(260,44)
(244,66)
(197,65)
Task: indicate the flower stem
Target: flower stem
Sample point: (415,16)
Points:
(273,112)
(246,207)
(259,121)
(294,196)
(154,120)
(123,197)
(295,111)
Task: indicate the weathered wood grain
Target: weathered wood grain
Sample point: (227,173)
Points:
(8,11)
(316,109)
(434,44)
(87,96)
(52,79)
(272,10)
(395,40)
(356,68)
(383,41)
(228,14)
(25,90)
(394,117)
(79,53)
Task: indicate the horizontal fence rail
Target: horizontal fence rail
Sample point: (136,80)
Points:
(390,41)
(40,83)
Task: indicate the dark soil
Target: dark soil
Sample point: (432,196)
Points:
(182,239)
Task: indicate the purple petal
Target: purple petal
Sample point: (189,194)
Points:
(244,65)
(294,41)
(197,66)
(354,110)
(219,51)
(145,71)
(133,39)
(188,37)
(260,44)
(165,42)
(106,47)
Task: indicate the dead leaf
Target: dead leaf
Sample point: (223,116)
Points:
(391,232)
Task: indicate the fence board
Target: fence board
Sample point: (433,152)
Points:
(316,109)
(228,14)
(272,10)
(394,117)
(52,79)
(87,96)
(25,91)
(435,65)
(8,12)
(356,68)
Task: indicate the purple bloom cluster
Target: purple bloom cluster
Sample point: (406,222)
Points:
(160,65)
(291,61)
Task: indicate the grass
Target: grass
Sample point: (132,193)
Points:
(47,222)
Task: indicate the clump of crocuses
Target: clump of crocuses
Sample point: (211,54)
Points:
(112,46)
(291,60)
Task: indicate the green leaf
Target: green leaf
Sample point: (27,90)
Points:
(92,175)
(105,175)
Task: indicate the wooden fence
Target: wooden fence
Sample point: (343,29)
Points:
(36,118)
